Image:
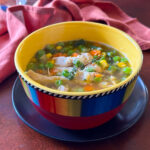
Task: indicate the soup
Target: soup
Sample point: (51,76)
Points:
(78,66)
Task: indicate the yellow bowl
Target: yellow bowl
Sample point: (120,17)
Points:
(72,104)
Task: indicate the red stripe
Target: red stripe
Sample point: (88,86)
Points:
(79,122)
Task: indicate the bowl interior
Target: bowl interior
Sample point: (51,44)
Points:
(77,30)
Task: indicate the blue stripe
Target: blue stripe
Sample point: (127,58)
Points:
(34,95)
(102,104)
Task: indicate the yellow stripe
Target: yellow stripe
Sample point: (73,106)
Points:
(25,88)
(129,90)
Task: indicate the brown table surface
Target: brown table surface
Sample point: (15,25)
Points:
(15,135)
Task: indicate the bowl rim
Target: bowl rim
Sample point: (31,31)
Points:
(45,89)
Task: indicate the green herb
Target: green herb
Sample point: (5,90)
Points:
(79,42)
(90,69)
(39,54)
(95,58)
(98,61)
(50,47)
(41,66)
(110,53)
(31,66)
(70,52)
(60,44)
(71,75)
(82,48)
(67,48)
(78,64)
(49,65)
(113,68)
(95,47)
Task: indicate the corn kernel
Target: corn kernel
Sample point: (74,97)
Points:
(121,64)
(49,55)
(88,78)
(59,47)
(104,64)
(103,54)
(51,61)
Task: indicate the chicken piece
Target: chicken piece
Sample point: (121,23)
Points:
(84,75)
(63,88)
(96,68)
(43,79)
(85,58)
(63,61)
(60,69)
(113,79)
(104,84)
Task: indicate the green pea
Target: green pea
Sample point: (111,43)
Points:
(65,73)
(116,58)
(97,79)
(90,69)
(124,60)
(49,65)
(40,53)
(58,82)
(127,70)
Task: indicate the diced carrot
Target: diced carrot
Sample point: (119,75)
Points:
(56,55)
(75,54)
(95,53)
(88,88)
(53,71)
(40,71)
(65,55)
(98,75)
(59,54)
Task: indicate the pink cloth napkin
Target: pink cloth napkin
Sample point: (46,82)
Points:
(19,21)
